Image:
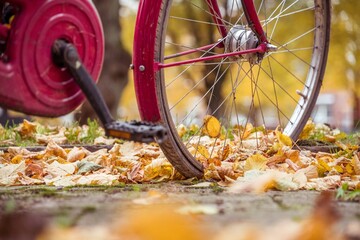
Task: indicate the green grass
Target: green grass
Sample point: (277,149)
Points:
(343,193)
(94,131)
(10,136)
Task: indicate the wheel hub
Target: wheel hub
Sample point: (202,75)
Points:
(240,39)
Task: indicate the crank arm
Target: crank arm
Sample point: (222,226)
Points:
(65,54)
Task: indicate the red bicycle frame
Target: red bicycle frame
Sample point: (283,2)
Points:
(145,70)
(253,22)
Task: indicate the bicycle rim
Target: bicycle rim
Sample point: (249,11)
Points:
(278,89)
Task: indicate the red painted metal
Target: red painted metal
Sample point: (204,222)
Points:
(29,80)
(143,59)
(253,20)
(216,14)
(260,49)
(200,49)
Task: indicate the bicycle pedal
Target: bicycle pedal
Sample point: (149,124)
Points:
(144,132)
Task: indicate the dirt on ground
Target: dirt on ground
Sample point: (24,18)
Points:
(28,212)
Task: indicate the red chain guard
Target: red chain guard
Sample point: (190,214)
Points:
(29,80)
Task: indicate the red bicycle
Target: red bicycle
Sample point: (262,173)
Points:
(242,61)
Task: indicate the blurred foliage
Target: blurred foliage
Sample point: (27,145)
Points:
(343,65)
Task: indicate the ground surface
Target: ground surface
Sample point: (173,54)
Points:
(77,207)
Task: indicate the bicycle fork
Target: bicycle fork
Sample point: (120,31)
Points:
(65,55)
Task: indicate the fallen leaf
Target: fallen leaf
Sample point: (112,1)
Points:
(97,179)
(57,169)
(308,129)
(9,173)
(26,129)
(85,167)
(283,139)
(34,170)
(202,150)
(53,149)
(356,163)
(76,154)
(256,162)
(212,126)
(254,181)
(325,183)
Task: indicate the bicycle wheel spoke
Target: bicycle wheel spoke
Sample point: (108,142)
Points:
(243,80)
(204,49)
(195,21)
(271,18)
(276,22)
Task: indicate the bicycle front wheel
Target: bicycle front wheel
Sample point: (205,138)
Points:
(185,74)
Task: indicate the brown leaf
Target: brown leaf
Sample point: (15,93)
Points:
(356,163)
(26,129)
(224,152)
(34,170)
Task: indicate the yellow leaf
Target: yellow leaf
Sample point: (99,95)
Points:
(324,164)
(293,155)
(308,129)
(181,129)
(349,169)
(202,150)
(339,169)
(158,168)
(256,162)
(212,126)
(284,139)
(17,159)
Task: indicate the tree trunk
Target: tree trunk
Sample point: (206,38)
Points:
(114,75)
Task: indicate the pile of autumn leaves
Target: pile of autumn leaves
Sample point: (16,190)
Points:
(254,160)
